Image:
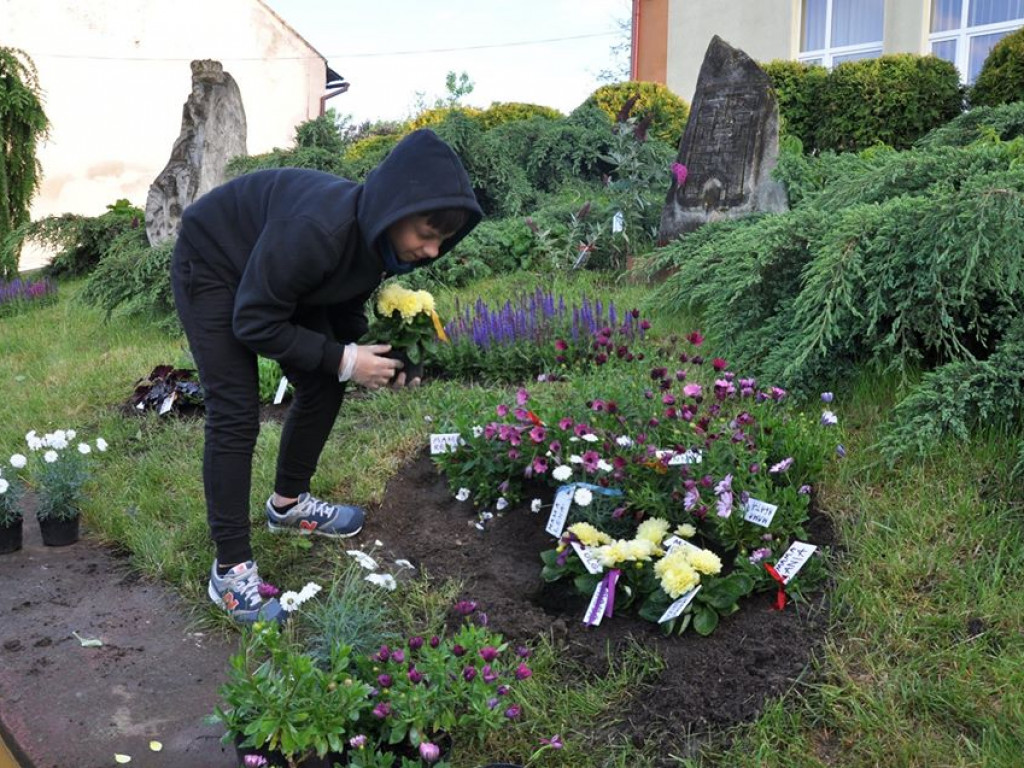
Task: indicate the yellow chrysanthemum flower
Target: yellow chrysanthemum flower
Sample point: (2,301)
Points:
(706,562)
(686,531)
(588,535)
(610,555)
(676,574)
(653,530)
(408,303)
(641,549)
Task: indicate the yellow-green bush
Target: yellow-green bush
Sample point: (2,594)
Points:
(1001,79)
(667,111)
(429,118)
(500,113)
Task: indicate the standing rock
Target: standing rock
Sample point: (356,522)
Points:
(213,131)
(729,147)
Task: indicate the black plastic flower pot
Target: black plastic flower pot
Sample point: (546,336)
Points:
(10,537)
(59,533)
(275,759)
(410,369)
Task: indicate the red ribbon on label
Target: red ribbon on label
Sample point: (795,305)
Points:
(780,597)
(534,418)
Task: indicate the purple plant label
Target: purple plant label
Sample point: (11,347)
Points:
(793,560)
(560,510)
(281,387)
(446,443)
(598,604)
(759,512)
(679,605)
(588,557)
(675,542)
(677,459)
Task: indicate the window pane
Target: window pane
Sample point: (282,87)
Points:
(980,47)
(872,54)
(946,50)
(992,11)
(857,21)
(812,36)
(946,15)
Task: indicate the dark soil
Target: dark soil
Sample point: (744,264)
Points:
(707,683)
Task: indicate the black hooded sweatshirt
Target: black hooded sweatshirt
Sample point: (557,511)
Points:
(300,247)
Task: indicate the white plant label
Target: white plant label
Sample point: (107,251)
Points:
(793,560)
(588,558)
(618,222)
(676,542)
(560,510)
(679,605)
(279,394)
(759,512)
(598,604)
(446,443)
(676,459)
(168,403)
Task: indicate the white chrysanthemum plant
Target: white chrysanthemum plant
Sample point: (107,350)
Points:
(56,468)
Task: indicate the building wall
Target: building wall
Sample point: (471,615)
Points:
(764,29)
(906,26)
(116,75)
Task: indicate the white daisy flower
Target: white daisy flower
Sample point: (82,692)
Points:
(535,505)
(590,437)
(562,472)
(623,441)
(290,601)
(309,591)
(101,444)
(4,485)
(70,433)
(583,497)
(50,456)
(18,461)
(502,503)
(477,431)
(403,563)
(462,495)
(574,459)
(363,559)
(604,466)
(385,580)
(84,448)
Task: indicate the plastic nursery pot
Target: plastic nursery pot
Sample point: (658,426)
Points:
(10,537)
(59,533)
(410,369)
(276,760)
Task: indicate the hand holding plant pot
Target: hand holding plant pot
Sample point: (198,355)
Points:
(407,321)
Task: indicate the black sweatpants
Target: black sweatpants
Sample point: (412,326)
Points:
(228,374)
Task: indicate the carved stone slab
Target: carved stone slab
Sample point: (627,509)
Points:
(213,130)
(729,147)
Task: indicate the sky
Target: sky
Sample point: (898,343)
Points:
(548,52)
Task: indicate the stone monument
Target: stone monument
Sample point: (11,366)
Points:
(729,147)
(213,131)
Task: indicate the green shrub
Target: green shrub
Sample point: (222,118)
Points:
(319,145)
(500,113)
(1001,79)
(893,100)
(909,259)
(1003,122)
(666,111)
(132,279)
(797,89)
(363,155)
(431,118)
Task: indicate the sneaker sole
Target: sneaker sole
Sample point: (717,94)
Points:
(303,532)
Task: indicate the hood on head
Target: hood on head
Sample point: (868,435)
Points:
(421,174)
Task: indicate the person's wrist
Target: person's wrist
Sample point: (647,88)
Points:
(348,362)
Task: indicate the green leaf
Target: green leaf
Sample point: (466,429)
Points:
(705,620)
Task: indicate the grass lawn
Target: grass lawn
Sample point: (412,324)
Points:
(925,662)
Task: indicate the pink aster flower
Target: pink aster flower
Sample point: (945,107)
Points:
(782,466)
(693,390)
(502,410)
(522,396)
(679,172)
(537,434)
(267,590)
(430,752)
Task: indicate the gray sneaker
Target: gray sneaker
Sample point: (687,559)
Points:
(238,593)
(313,516)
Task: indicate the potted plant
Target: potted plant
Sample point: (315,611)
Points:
(58,471)
(10,515)
(407,321)
(429,691)
(281,708)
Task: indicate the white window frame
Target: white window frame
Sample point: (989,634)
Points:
(826,56)
(963,35)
